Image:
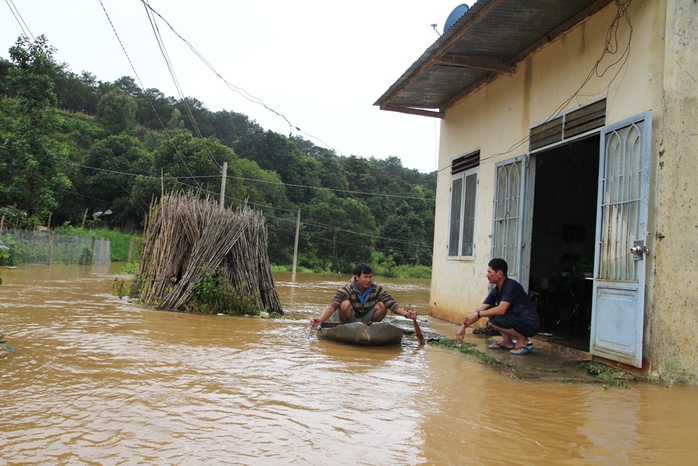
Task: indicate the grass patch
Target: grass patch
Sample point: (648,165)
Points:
(289,268)
(402,271)
(605,375)
(119,242)
(469,349)
(380,270)
(130,268)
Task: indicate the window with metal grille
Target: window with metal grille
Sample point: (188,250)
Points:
(464,180)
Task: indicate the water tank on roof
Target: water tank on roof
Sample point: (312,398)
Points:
(455,15)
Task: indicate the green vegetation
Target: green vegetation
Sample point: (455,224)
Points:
(603,374)
(68,245)
(380,269)
(469,349)
(607,376)
(215,295)
(119,242)
(79,151)
(386,267)
(10,251)
(130,268)
(120,287)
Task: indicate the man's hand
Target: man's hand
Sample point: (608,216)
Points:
(315,321)
(410,315)
(470,319)
(460,334)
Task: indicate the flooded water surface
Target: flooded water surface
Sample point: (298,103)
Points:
(98,380)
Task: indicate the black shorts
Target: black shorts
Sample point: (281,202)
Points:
(527,327)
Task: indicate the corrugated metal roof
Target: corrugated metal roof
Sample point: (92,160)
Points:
(488,40)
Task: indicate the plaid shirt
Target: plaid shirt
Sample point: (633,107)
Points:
(377,294)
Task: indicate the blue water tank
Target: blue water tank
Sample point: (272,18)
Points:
(455,15)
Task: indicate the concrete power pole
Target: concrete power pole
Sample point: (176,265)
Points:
(225,176)
(295,248)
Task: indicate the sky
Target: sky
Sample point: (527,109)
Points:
(321,64)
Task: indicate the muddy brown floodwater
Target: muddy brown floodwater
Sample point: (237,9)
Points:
(99,380)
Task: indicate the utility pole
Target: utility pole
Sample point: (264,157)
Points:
(225,176)
(295,248)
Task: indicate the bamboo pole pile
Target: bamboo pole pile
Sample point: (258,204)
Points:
(187,238)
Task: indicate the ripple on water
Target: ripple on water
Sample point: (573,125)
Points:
(98,380)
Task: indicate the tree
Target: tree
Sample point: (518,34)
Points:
(117,111)
(342,231)
(154,109)
(76,93)
(183,161)
(404,238)
(108,177)
(32,162)
(256,186)
(332,176)
(274,152)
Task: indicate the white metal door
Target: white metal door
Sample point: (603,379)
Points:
(619,277)
(508,214)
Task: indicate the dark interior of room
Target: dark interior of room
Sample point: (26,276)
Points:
(562,242)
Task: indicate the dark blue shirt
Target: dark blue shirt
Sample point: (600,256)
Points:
(520,303)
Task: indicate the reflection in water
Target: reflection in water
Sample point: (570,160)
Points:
(98,380)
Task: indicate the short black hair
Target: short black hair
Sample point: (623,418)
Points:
(361,269)
(499,264)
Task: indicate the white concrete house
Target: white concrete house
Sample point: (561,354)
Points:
(569,147)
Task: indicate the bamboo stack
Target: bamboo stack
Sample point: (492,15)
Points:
(187,238)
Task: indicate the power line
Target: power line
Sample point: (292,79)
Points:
(237,89)
(243,201)
(20,20)
(331,227)
(173,74)
(167,134)
(281,183)
(315,238)
(611,47)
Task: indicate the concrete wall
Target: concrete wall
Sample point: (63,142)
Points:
(497,118)
(673,323)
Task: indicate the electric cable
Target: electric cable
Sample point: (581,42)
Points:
(167,134)
(237,89)
(173,74)
(246,202)
(18,17)
(611,47)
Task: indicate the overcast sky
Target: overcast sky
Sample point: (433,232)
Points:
(320,63)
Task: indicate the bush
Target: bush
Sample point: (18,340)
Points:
(215,295)
(10,251)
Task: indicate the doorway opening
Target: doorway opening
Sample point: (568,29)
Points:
(563,234)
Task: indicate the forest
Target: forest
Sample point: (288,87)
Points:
(76,151)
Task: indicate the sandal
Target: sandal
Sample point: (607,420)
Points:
(520,351)
(500,346)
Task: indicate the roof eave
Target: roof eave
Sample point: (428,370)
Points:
(436,54)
